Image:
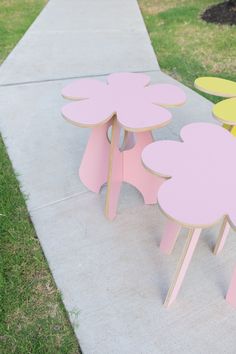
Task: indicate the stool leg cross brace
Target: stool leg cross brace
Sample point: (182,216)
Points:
(104,162)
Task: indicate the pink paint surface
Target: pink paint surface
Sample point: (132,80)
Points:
(224,237)
(202,175)
(93,169)
(169,237)
(116,174)
(231,294)
(186,259)
(125,165)
(137,106)
(83,88)
(134,172)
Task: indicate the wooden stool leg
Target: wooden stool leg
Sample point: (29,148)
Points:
(225,227)
(115,172)
(169,237)
(231,294)
(233,130)
(189,248)
(135,173)
(227,126)
(94,165)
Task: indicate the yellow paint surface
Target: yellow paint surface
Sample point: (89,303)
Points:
(216,86)
(225,111)
(233,130)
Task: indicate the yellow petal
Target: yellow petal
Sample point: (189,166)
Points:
(216,86)
(225,111)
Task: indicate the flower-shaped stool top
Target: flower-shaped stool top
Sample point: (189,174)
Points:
(225,111)
(137,106)
(216,86)
(201,176)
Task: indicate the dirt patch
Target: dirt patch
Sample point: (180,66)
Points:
(223,13)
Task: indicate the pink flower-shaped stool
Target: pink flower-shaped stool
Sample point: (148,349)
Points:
(125,101)
(199,189)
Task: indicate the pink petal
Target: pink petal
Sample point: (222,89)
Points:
(207,132)
(182,201)
(202,186)
(135,116)
(162,157)
(88,113)
(165,95)
(84,88)
(122,80)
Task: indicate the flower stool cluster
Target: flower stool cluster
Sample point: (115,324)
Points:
(186,178)
(126,101)
(223,111)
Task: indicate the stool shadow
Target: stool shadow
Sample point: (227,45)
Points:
(209,238)
(222,282)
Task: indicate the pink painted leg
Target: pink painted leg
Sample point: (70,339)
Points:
(135,173)
(169,237)
(115,172)
(94,166)
(190,245)
(231,294)
(225,227)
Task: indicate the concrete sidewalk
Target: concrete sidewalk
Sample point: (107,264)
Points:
(112,276)
(73,38)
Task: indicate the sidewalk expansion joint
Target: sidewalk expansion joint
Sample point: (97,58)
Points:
(68,78)
(33,210)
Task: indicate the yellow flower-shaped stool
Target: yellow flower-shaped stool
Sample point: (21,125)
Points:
(224,111)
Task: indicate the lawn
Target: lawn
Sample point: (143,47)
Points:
(186,46)
(32,316)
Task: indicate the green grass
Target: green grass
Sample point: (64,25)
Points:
(15,18)
(32,316)
(186,46)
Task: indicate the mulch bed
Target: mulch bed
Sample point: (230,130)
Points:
(223,13)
